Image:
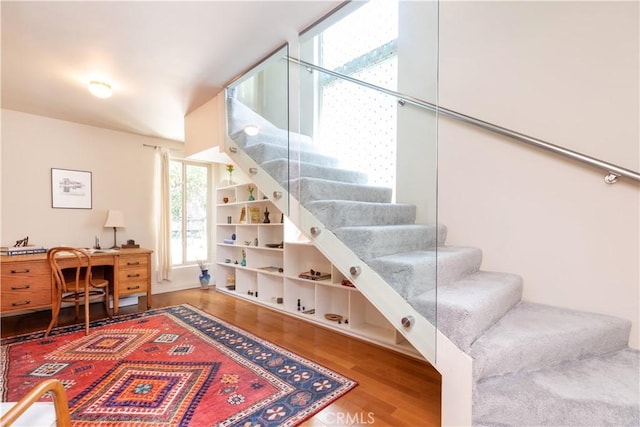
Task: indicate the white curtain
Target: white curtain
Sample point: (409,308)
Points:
(163,215)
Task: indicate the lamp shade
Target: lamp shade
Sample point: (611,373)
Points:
(115,218)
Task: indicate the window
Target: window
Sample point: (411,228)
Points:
(189,193)
(357,122)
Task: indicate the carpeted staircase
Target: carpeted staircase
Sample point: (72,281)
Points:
(532,364)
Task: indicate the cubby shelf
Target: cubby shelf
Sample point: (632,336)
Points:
(270,276)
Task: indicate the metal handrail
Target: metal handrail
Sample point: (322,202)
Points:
(613,171)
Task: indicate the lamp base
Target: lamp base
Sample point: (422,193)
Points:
(115,245)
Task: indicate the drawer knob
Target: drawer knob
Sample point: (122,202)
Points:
(133,263)
(16,288)
(133,275)
(26,270)
(130,288)
(16,304)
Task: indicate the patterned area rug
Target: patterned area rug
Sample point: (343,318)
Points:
(175,366)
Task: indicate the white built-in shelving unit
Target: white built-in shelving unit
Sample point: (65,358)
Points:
(275,255)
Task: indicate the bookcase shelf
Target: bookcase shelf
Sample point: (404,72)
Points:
(270,276)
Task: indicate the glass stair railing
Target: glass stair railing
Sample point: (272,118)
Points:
(331,164)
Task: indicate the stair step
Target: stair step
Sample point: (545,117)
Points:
(532,336)
(264,152)
(375,241)
(595,391)
(413,273)
(276,136)
(311,189)
(282,170)
(342,213)
(470,306)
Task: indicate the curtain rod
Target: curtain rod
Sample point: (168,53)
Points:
(159,146)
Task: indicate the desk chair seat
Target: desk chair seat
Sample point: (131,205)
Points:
(73,282)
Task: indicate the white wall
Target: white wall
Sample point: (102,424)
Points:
(565,72)
(122,174)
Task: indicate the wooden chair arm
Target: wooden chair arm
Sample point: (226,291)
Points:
(60,404)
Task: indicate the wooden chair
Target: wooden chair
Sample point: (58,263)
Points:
(73,282)
(27,406)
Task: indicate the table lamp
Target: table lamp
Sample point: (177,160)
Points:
(115,219)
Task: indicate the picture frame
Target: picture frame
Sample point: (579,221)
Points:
(71,189)
(254,215)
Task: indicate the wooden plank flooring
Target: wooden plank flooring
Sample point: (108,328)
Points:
(393,389)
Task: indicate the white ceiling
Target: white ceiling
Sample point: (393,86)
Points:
(163,59)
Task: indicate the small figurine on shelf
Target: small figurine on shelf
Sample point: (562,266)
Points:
(243,261)
(251,188)
(230,170)
(266,216)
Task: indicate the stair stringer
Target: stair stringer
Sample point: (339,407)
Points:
(455,366)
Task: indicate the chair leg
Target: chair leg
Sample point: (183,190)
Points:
(86,312)
(55,311)
(106,302)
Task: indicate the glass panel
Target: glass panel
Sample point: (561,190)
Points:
(333,134)
(258,120)
(370,173)
(365,118)
(196,203)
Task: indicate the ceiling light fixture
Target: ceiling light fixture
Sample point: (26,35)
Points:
(251,130)
(100,89)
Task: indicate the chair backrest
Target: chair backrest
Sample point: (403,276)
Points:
(72,258)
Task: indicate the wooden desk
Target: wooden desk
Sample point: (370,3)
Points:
(26,280)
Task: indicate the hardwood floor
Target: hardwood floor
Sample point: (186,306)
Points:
(393,389)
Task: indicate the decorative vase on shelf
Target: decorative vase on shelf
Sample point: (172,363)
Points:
(230,170)
(205,278)
(251,198)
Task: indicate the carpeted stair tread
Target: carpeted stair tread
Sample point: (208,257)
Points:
(412,273)
(264,152)
(343,213)
(380,240)
(471,305)
(532,336)
(309,189)
(282,170)
(595,391)
(276,136)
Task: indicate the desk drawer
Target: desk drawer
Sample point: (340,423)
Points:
(133,275)
(24,299)
(133,279)
(132,287)
(133,261)
(25,285)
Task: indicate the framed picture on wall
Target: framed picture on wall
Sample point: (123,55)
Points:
(70,189)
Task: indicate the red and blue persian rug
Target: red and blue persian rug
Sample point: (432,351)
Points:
(175,366)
